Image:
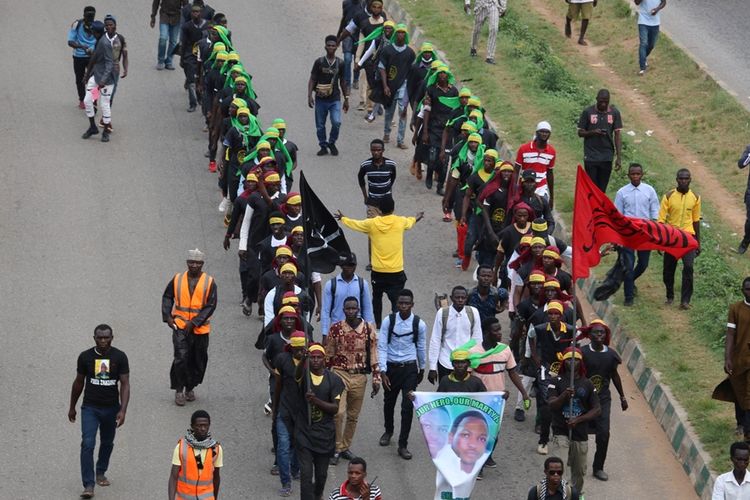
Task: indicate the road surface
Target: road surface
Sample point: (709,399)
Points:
(93,232)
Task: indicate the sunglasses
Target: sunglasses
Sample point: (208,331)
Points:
(554,473)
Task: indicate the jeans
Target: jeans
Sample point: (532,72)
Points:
(403,379)
(633,271)
(286,456)
(670,266)
(577,452)
(388,283)
(312,465)
(647,36)
(171,33)
(79,68)
(390,111)
(322,109)
(190,68)
(95,418)
(348,56)
(476,224)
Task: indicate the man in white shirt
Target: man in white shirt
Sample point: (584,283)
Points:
(636,199)
(584,8)
(648,29)
(735,484)
(462,323)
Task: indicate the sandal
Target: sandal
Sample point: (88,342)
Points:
(102,480)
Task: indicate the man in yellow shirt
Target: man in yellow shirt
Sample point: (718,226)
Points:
(681,208)
(196,462)
(386,234)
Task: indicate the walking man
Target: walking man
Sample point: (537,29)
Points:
(169,30)
(191,33)
(324,90)
(355,485)
(600,127)
(490,11)
(187,305)
(100,83)
(735,484)
(649,20)
(454,326)
(352,353)
(196,462)
(636,199)
(584,8)
(386,233)
(81,38)
(396,60)
(743,162)
(539,157)
(737,357)
(103,375)
(681,208)
(553,486)
(338,288)
(401,351)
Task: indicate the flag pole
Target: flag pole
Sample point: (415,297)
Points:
(307,274)
(575,299)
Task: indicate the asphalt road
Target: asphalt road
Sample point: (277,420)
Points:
(92,233)
(716,34)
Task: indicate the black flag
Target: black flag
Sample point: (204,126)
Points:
(324,240)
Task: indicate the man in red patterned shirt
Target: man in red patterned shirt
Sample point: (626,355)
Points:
(539,156)
(352,353)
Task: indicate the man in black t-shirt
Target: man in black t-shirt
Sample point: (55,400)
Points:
(573,406)
(191,33)
(600,127)
(326,78)
(395,64)
(436,114)
(553,486)
(460,379)
(315,435)
(601,363)
(99,372)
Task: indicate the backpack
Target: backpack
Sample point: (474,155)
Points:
(333,292)
(414,328)
(445,310)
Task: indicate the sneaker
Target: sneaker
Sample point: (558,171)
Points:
(224,205)
(404,453)
(105,135)
(386,138)
(323,151)
(361,106)
(628,303)
(642,72)
(334,150)
(601,475)
(212,166)
(473,52)
(668,302)
(160,66)
(191,109)
(457,264)
(370,118)
(334,460)
(347,455)
(490,463)
(267,407)
(743,247)
(81,105)
(88,492)
(190,396)
(519,415)
(179,398)
(286,490)
(247,310)
(170,67)
(490,60)
(542,449)
(275,470)
(685,306)
(385,439)
(91,131)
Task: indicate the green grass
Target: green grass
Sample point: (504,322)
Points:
(539,75)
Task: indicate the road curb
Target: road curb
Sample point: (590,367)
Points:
(672,418)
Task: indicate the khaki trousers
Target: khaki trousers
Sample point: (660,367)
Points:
(349,407)
(577,452)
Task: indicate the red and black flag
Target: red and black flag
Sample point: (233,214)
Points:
(325,243)
(597,221)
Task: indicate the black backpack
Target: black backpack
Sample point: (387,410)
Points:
(414,328)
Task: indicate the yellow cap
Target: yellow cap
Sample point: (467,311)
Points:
(436,64)
(443,68)
(538,240)
(551,253)
(389,23)
(555,305)
(292,299)
(297,341)
(283,250)
(474,101)
(316,348)
(401,28)
(464,92)
(552,284)
(276,220)
(426,47)
(475,138)
(279,123)
(262,145)
(239,103)
(459,355)
(503,166)
(298,229)
(526,239)
(491,153)
(539,226)
(287,310)
(270,179)
(218,46)
(243,111)
(272,132)
(251,177)
(288,268)
(475,113)
(221,56)
(240,79)
(537,277)
(294,200)
(570,354)
(468,126)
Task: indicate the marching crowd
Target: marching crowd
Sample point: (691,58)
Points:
(503,216)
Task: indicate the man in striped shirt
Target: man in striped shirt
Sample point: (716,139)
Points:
(539,156)
(356,487)
(376,177)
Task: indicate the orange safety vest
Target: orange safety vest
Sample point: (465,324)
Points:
(187,307)
(194,483)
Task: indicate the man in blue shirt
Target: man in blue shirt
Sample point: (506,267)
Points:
(402,354)
(648,29)
(346,284)
(639,200)
(81,38)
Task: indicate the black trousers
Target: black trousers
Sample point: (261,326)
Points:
(312,465)
(434,164)
(601,429)
(403,378)
(250,276)
(388,283)
(599,171)
(542,406)
(746,237)
(79,68)
(190,360)
(670,266)
(443,372)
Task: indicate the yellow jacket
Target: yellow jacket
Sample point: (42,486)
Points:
(680,210)
(386,233)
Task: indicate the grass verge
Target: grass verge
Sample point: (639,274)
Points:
(539,76)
